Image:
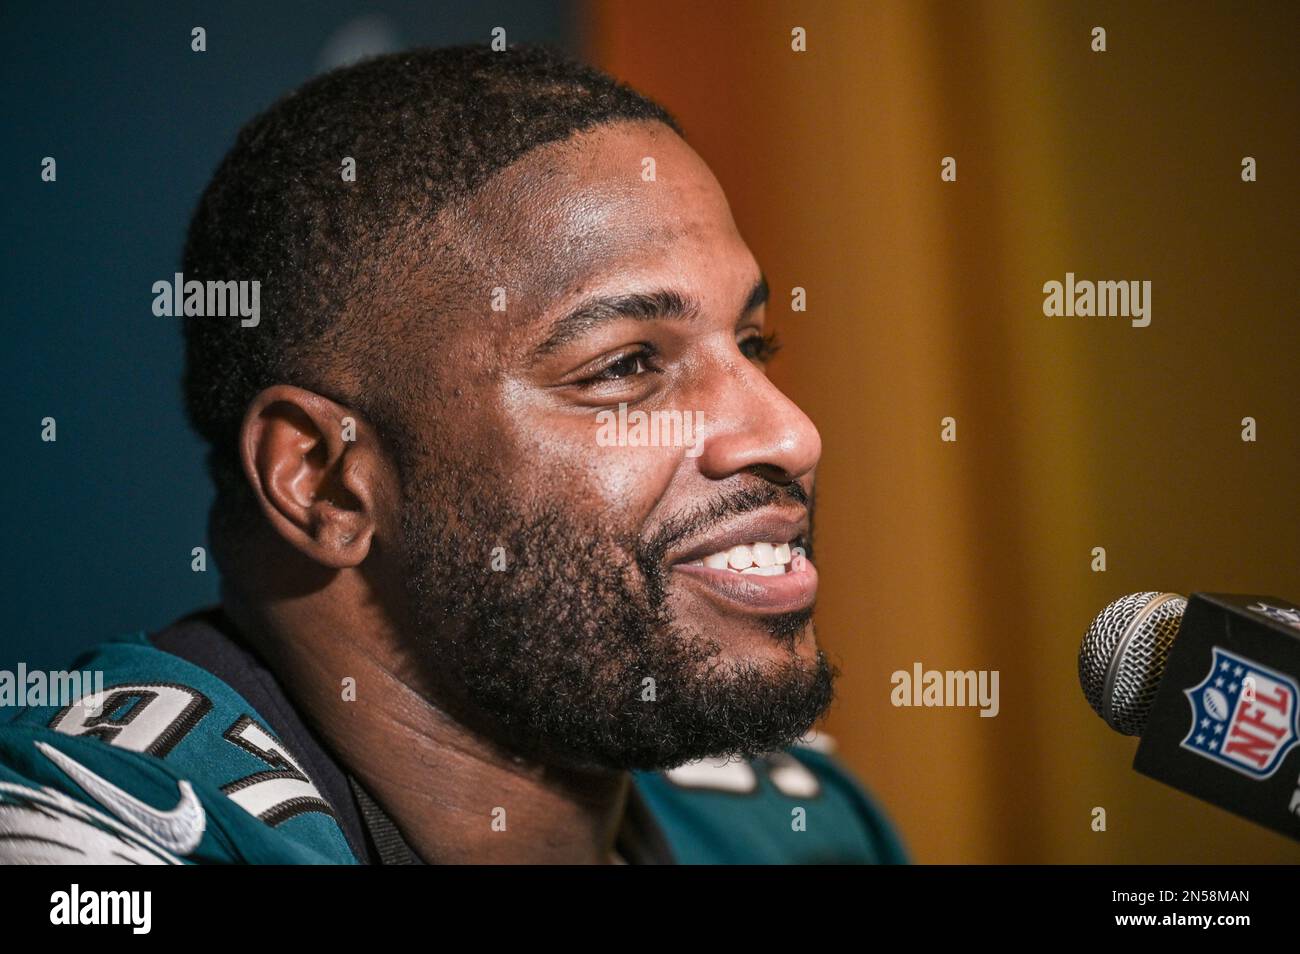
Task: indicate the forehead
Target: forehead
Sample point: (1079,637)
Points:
(622,200)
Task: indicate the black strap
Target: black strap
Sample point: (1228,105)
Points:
(386,841)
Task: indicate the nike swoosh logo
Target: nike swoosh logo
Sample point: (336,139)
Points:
(179,830)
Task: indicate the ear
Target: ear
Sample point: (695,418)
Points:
(315,475)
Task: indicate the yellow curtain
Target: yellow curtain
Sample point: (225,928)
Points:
(925,301)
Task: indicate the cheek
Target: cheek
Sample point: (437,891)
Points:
(565,460)
(631,479)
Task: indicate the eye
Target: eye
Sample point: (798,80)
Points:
(628,366)
(760,348)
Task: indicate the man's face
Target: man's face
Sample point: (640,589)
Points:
(606,504)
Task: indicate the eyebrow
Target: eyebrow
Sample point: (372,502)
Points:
(663,304)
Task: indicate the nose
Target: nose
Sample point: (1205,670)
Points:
(753,427)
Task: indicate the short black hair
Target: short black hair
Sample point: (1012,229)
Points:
(425,128)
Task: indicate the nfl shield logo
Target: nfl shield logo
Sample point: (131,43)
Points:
(1243,715)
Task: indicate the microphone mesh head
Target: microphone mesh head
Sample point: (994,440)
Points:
(1123,656)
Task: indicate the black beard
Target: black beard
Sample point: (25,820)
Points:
(557,650)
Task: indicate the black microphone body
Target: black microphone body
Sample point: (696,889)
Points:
(1225,722)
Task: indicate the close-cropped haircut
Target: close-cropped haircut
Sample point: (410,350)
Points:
(424,128)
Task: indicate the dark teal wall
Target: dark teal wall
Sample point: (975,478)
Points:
(98,526)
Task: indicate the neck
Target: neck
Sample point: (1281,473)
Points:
(455,796)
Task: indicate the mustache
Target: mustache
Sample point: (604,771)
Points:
(732,504)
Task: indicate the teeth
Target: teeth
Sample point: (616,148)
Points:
(761,557)
(740,557)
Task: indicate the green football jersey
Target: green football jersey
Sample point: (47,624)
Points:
(190,753)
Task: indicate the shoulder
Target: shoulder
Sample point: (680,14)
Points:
(139,756)
(797,806)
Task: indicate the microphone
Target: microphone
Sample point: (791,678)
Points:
(1212,686)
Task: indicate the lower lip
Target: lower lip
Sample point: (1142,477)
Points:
(749,592)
